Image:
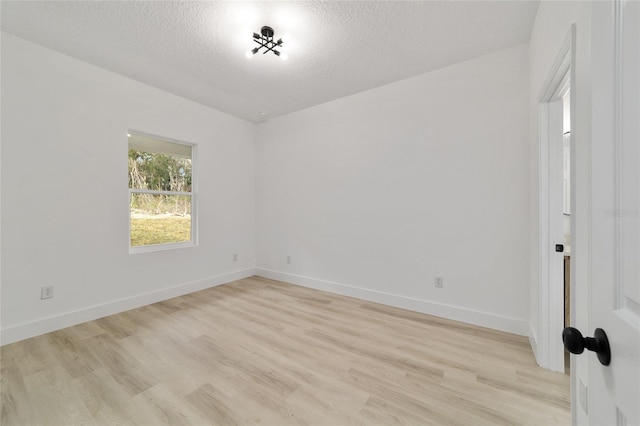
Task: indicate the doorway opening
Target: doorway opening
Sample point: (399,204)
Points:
(555,187)
(566,214)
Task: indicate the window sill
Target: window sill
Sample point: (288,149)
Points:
(160,247)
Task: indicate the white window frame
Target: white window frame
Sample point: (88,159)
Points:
(193,194)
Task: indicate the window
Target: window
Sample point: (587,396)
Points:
(161,195)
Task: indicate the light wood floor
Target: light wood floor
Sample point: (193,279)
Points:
(258,351)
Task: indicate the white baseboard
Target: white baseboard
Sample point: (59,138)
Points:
(45,325)
(456,313)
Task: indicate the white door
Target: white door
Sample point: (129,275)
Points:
(614,394)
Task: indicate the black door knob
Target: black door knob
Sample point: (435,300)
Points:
(576,344)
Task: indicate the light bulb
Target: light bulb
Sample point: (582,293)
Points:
(286,37)
(284,56)
(249,54)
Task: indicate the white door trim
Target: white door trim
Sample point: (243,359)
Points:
(561,77)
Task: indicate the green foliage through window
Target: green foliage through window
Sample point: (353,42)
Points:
(159,172)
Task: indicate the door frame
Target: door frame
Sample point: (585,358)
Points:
(561,77)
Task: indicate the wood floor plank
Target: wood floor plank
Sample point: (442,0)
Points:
(75,357)
(166,358)
(521,408)
(258,351)
(58,401)
(125,369)
(211,404)
(107,402)
(15,398)
(168,407)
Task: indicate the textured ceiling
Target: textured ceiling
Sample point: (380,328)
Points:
(197,49)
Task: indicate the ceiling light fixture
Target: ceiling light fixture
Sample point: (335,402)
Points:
(265,39)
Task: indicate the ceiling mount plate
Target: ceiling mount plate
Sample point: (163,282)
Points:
(267,32)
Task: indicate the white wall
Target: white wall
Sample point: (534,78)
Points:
(65,197)
(374,194)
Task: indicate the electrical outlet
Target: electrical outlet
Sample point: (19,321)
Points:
(235,257)
(439,282)
(46,292)
(289,260)
(583,396)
